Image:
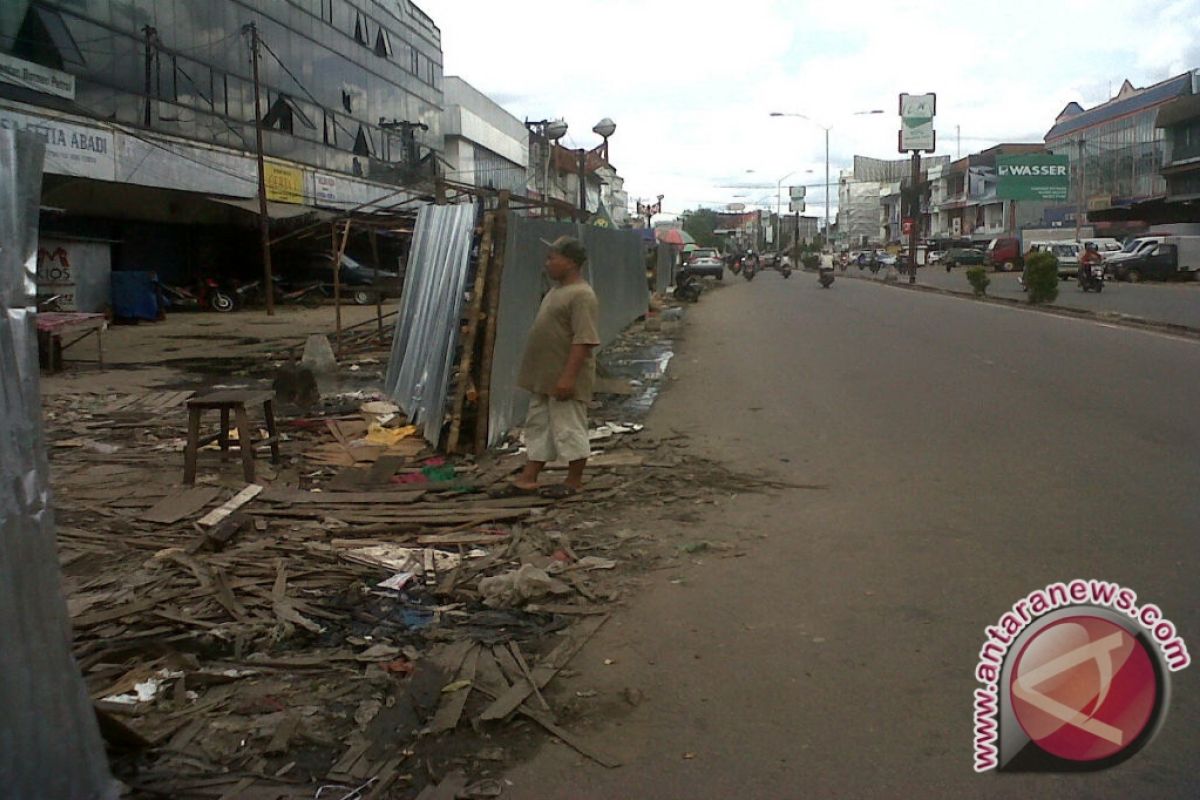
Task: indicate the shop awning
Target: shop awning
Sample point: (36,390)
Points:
(274,210)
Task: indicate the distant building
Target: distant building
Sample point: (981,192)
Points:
(963,201)
(1115,148)
(485,145)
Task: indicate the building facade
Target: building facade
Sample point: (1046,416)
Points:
(1115,148)
(148,113)
(484,145)
(964,204)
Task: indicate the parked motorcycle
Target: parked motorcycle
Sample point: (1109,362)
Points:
(1091,277)
(687,286)
(825,277)
(208,295)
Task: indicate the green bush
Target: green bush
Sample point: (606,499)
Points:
(1041,277)
(979,280)
(812,261)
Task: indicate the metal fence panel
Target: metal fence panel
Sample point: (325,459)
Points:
(664,269)
(50,743)
(616,269)
(421,362)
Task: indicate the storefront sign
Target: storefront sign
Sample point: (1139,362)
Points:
(1033,177)
(70,149)
(325,188)
(284,184)
(36,77)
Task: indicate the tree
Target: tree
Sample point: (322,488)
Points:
(700,224)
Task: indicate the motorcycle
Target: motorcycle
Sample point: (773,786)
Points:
(736,266)
(785,269)
(687,286)
(825,277)
(1091,277)
(748,270)
(209,294)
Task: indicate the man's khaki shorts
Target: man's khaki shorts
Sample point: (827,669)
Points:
(556,430)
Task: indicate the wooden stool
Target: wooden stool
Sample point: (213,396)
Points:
(234,400)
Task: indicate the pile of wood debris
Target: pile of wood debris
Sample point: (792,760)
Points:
(332,624)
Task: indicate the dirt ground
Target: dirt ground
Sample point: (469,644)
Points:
(195,344)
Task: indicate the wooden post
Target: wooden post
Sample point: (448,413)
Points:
(338,251)
(439,191)
(471,335)
(378,292)
(492,293)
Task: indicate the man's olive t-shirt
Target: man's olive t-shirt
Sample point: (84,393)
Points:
(569,315)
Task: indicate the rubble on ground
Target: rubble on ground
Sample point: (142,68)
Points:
(334,626)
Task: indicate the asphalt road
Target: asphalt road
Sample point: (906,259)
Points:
(973,453)
(1177,303)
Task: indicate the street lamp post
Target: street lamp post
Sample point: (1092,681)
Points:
(825,128)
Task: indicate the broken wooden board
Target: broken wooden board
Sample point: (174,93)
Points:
(546,669)
(180,504)
(240,499)
(383,497)
(450,710)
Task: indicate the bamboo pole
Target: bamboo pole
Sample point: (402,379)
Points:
(471,336)
(492,293)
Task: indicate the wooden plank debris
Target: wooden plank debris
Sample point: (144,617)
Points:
(240,499)
(450,710)
(545,670)
(180,504)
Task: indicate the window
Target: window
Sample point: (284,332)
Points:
(44,39)
(362,143)
(361,34)
(327,11)
(416,62)
(330,126)
(383,45)
(347,101)
(284,113)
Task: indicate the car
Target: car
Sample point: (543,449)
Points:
(1067,254)
(887,260)
(934,257)
(358,282)
(707,267)
(959,256)
(1131,249)
(702,252)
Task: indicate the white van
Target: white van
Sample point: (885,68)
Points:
(1066,252)
(1106,246)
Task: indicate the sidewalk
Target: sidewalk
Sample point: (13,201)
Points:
(1175,304)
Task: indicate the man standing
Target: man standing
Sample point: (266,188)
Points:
(558,370)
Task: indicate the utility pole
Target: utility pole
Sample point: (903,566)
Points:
(582,155)
(1079,193)
(151,34)
(263,222)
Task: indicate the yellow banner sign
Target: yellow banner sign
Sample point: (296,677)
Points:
(284,184)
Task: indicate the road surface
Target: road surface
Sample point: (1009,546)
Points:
(973,453)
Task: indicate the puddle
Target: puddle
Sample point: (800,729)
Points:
(643,361)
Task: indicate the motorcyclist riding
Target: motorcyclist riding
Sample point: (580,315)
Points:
(1089,257)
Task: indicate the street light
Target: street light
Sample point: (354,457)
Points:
(825,128)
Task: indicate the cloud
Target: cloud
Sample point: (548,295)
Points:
(690,82)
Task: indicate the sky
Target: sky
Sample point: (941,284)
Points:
(690,83)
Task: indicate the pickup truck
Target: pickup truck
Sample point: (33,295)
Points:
(1173,258)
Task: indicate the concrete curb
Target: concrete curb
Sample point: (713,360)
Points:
(1122,320)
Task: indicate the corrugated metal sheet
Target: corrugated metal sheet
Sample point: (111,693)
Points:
(50,745)
(616,269)
(421,363)
(664,270)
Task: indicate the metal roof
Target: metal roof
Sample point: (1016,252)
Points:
(1147,98)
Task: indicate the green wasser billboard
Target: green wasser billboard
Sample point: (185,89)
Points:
(1033,177)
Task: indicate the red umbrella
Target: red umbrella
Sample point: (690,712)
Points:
(674,236)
